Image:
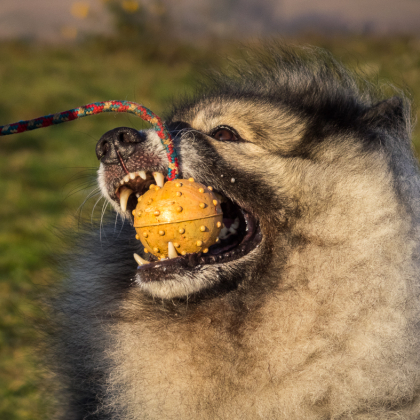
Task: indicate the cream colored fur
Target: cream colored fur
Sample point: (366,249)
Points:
(329,331)
(338,338)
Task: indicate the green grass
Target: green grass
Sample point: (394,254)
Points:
(42,171)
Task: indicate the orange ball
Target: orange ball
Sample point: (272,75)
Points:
(192,219)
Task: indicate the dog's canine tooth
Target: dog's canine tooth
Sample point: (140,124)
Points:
(140,260)
(171,250)
(126,178)
(142,174)
(124,194)
(159,178)
(132,175)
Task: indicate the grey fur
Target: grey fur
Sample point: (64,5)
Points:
(321,320)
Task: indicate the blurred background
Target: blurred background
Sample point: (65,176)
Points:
(57,55)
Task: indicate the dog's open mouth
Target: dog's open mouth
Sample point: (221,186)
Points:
(240,234)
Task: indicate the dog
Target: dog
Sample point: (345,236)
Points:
(308,308)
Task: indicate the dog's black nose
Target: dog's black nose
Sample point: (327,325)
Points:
(122,140)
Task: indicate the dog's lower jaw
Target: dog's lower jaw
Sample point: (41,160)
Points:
(188,283)
(179,286)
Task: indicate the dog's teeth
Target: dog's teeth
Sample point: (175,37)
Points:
(124,194)
(159,178)
(233,227)
(171,250)
(126,178)
(122,182)
(235,223)
(224,233)
(132,175)
(140,260)
(142,174)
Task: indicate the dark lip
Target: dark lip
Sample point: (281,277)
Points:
(235,250)
(195,262)
(238,248)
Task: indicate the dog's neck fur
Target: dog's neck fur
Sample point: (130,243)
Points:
(217,361)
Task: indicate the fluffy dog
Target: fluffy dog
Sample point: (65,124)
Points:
(307,309)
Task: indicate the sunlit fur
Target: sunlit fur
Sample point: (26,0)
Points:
(321,321)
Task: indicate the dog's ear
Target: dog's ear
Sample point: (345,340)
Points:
(390,113)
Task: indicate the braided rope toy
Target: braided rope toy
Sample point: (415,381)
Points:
(98,108)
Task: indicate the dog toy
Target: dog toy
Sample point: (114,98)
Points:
(98,108)
(181,217)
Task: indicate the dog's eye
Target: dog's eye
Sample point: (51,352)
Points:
(224,134)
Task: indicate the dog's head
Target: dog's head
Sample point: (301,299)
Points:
(291,146)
